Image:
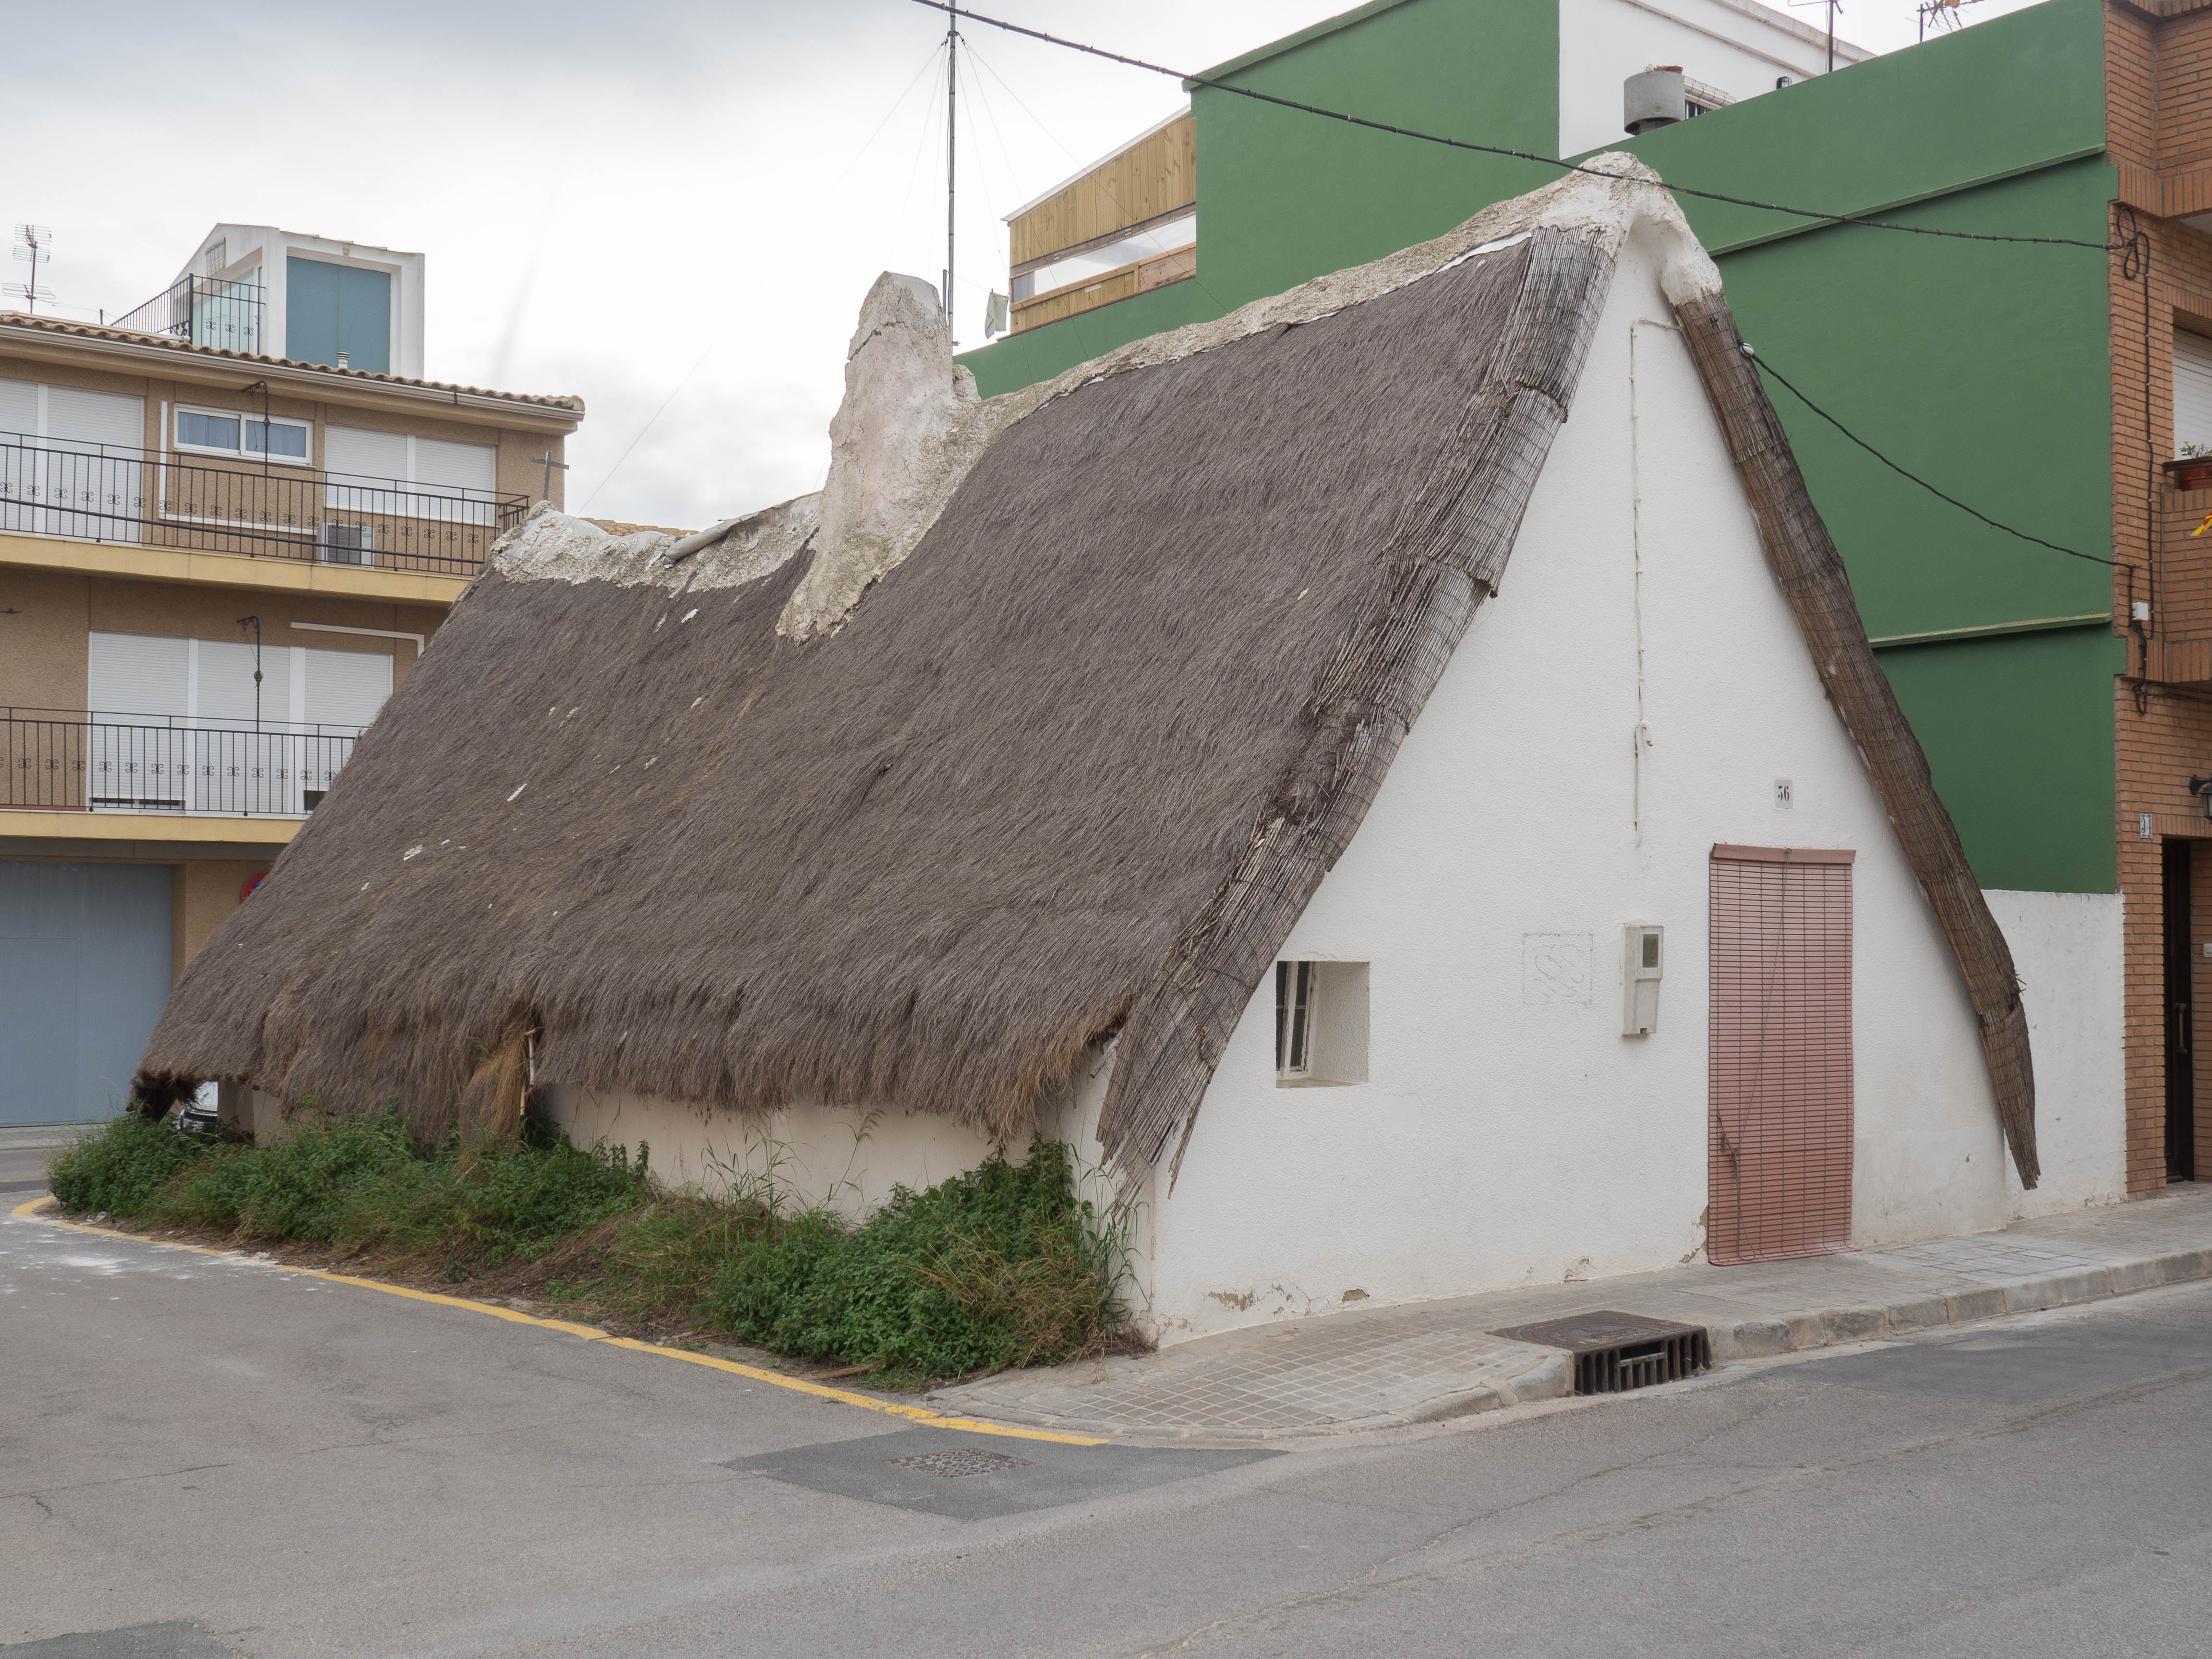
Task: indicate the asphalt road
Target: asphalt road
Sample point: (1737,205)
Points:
(200,1456)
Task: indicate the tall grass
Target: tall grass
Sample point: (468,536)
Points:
(1002,1266)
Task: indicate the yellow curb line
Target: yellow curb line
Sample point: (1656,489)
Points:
(29,1212)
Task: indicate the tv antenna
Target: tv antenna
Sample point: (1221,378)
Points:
(1944,14)
(951,111)
(35,246)
(1834,6)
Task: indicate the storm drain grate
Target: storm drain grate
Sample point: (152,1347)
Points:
(1615,1351)
(957,1464)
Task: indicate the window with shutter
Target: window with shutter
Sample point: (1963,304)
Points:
(19,407)
(365,454)
(2192,393)
(134,674)
(96,417)
(345,687)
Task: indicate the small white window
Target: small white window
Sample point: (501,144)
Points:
(1321,1023)
(1294,1007)
(216,432)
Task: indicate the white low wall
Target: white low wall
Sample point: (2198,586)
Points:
(848,1159)
(2066,950)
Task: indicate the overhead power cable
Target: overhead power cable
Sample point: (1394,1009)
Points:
(1776,375)
(1498,150)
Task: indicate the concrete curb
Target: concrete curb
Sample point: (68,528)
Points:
(1765,1337)
(1827,1327)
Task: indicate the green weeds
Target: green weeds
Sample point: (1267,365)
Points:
(1002,1266)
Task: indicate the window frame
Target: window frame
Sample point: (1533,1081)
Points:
(245,417)
(1297,988)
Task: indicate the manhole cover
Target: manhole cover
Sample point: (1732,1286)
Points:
(1614,1351)
(956,1465)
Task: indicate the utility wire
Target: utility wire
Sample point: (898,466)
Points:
(2128,246)
(1776,375)
(1497,150)
(647,428)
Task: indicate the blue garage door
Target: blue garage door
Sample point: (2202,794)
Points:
(84,969)
(329,309)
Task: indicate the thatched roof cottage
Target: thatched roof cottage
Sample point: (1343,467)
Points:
(1395,775)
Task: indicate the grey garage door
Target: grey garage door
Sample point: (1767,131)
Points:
(84,969)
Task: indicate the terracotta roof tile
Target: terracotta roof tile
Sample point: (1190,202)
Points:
(15,320)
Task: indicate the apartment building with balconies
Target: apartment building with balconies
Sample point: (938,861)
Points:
(230,523)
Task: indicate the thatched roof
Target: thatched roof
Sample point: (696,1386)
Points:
(1049,735)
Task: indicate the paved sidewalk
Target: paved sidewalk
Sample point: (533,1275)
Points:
(1386,1367)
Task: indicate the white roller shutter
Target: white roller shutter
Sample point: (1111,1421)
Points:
(450,466)
(19,407)
(96,417)
(2193,393)
(367,454)
(222,689)
(136,674)
(346,688)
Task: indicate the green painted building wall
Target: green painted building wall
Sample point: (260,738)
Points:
(1982,366)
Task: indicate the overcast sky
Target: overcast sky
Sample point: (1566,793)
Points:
(669,208)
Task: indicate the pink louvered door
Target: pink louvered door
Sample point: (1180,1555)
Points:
(1778,1120)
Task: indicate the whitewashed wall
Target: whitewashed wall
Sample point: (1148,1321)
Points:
(1739,48)
(1507,1136)
(2066,949)
(846,1158)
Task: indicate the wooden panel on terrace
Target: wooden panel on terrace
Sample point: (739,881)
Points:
(2181,645)
(1157,174)
(1177,265)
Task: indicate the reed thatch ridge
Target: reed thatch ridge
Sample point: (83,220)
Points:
(920,818)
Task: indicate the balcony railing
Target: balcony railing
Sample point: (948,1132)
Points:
(146,498)
(63,761)
(203,312)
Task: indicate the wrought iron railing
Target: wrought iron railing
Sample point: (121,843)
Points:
(202,311)
(71,761)
(108,493)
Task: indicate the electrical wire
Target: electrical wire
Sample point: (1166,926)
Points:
(648,427)
(1774,374)
(898,104)
(1497,150)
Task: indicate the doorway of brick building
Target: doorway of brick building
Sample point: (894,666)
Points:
(2177,856)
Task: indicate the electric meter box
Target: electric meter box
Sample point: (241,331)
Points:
(1642,958)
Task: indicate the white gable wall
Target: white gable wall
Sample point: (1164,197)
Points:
(1501,1141)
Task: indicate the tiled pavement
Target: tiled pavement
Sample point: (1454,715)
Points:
(1381,1367)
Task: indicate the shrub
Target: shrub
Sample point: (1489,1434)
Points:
(304,1186)
(1002,1266)
(365,1182)
(120,1167)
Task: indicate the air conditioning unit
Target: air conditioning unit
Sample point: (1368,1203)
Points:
(343,543)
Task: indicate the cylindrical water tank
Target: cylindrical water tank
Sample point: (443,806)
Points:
(1655,98)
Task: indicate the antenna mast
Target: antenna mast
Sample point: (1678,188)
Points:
(952,109)
(34,245)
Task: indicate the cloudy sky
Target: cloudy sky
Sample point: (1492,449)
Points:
(672,209)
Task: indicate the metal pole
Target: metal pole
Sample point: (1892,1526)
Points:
(1832,36)
(952,108)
